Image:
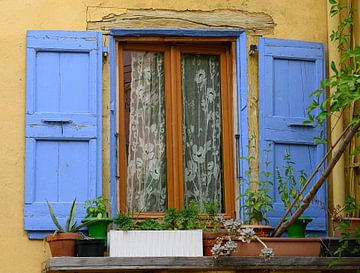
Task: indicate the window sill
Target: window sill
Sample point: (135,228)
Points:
(110,264)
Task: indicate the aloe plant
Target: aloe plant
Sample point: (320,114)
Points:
(70,225)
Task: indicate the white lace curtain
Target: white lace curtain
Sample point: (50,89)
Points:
(146,160)
(201,128)
(146,164)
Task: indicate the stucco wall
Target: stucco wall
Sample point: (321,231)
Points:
(303,20)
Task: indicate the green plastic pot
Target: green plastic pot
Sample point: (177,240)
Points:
(98,229)
(297,230)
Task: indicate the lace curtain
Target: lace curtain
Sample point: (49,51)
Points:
(202,128)
(146,164)
(146,159)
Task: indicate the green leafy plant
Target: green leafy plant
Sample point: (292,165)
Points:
(346,74)
(97,207)
(349,209)
(149,224)
(210,219)
(189,217)
(290,183)
(257,199)
(342,214)
(124,221)
(185,219)
(171,219)
(71,225)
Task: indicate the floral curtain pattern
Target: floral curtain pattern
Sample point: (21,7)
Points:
(202,128)
(146,160)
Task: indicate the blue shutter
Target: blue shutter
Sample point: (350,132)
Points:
(289,71)
(63,125)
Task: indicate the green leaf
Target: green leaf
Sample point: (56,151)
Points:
(70,220)
(333,67)
(53,217)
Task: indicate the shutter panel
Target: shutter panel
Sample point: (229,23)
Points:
(63,125)
(289,71)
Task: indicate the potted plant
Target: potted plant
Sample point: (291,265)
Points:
(242,241)
(62,242)
(346,230)
(289,187)
(232,242)
(176,234)
(257,199)
(343,218)
(97,214)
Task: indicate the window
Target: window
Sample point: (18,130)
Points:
(175,123)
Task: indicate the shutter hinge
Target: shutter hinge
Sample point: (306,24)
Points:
(112,107)
(253,50)
(105,51)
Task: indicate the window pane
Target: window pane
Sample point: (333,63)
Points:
(145,131)
(202,128)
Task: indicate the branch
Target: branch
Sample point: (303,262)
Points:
(317,169)
(314,189)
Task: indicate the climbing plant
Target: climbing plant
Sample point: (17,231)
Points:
(345,80)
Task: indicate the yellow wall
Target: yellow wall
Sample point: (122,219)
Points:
(303,20)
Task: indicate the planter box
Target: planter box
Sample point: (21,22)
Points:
(281,247)
(164,243)
(353,222)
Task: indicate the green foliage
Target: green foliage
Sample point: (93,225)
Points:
(171,219)
(212,208)
(124,221)
(70,225)
(185,219)
(149,224)
(346,78)
(97,207)
(189,217)
(257,202)
(210,220)
(290,183)
(350,208)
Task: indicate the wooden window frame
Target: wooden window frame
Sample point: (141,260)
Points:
(172,47)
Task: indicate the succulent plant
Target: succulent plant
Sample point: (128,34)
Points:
(226,244)
(70,225)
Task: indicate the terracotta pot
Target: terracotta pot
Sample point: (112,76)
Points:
(260,230)
(353,221)
(209,239)
(281,247)
(63,244)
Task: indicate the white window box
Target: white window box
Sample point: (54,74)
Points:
(151,243)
